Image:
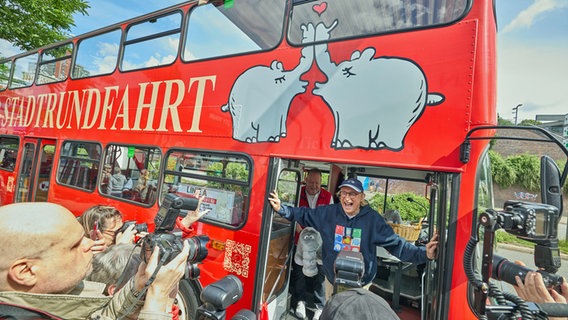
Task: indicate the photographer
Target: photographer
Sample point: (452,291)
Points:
(45,257)
(101,224)
(534,289)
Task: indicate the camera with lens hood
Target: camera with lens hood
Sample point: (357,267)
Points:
(170,244)
(505,270)
(139,227)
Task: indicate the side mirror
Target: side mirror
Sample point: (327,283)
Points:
(550,188)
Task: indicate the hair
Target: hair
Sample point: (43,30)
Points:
(116,265)
(116,170)
(314,170)
(100,214)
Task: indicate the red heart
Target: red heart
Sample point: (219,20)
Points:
(320,8)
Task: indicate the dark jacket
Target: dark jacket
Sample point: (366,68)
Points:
(363,233)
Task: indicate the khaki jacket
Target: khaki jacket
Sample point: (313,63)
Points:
(86,302)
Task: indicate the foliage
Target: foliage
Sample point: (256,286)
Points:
(503,174)
(529,123)
(504,122)
(527,168)
(30,24)
(409,211)
(522,170)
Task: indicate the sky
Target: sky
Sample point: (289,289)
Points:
(532,48)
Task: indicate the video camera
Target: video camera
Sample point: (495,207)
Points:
(170,244)
(349,269)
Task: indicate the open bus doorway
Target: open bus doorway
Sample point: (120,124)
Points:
(424,202)
(35,170)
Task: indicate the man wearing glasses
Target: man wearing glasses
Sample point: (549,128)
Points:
(353,225)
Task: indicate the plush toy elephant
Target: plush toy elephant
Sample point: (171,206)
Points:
(308,253)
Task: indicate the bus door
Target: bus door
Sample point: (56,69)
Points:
(285,177)
(35,170)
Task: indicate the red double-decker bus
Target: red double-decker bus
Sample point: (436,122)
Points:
(238,98)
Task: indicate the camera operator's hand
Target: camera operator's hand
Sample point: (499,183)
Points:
(535,290)
(162,291)
(196,214)
(274,201)
(127,236)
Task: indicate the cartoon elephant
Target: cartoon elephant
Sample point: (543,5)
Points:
(260,97)
(393,89)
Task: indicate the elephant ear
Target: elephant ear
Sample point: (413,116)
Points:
(368,54)
(276,65)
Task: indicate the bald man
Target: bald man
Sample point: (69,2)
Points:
(45,257)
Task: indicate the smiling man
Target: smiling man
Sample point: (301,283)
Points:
(353,225)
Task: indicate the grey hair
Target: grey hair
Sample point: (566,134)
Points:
(109,266)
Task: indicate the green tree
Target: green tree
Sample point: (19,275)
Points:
(30,24)
(529,122)
(409,211)
(503,122)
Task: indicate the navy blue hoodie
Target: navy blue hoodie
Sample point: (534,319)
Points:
(363,233)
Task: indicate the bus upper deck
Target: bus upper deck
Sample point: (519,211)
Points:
(238,98)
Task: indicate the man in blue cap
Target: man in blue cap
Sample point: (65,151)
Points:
(353,225)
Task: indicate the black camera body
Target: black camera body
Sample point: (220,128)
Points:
(349,269)
(535,222)
(170,244)
(530,221)
(139,227)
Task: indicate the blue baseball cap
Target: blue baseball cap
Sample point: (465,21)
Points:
(353,184)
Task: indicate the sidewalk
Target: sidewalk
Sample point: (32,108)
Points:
(562,225)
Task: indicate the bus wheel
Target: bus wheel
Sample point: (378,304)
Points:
(187,299)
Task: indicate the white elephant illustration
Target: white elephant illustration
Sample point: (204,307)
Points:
(374,101)
(260,97)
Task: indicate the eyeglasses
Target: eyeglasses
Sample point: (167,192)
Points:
(344,194)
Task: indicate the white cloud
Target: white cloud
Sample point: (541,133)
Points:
(526,17)
(7,49)
(535,76)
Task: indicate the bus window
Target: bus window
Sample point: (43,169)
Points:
(131,173)
(216,30)
(152,43)
(24,71)
(288,182)
(359,17)
(224,180)
(396,194)
(97,55)
(79,164)
(5,68)
(55,63)
(8,153)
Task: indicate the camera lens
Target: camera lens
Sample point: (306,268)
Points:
(142,227)
(197,248)
(506,270)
